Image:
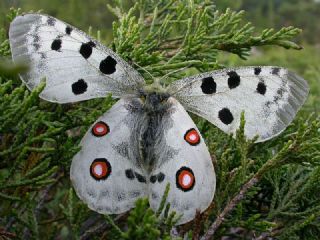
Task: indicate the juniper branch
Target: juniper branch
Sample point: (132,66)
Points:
(291,148)
(230,206)
(99,228)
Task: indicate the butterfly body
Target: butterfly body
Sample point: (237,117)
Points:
(147,140)
(151,111)
(149,156)
(154,110)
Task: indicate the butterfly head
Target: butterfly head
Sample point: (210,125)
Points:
(154,101)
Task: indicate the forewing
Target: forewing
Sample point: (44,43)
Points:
(189,170)
(269,96)
(105,172)
(76,67)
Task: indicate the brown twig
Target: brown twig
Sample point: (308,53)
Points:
(230,206)
(263,236)
(267,235)
(52,220)
(6,235)
(271,163)
(42,198)
(98,229)
(197,226)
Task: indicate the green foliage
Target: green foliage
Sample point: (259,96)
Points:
(71,11)
(269,189)
(172,35)
(275,13)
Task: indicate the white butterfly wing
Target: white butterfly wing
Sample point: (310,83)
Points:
(269,96)
(189,170)
(76,67)
(105,172)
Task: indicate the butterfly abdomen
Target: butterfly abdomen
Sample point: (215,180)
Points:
(150,136)
(152,120)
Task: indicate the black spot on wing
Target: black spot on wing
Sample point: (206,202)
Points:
(161,177)
(51,21)
(129,174)
(233,80)
(225,116)
(86,49)
(140,178)
(79,87)
(56,44)
(261,88)
(153,178)
(68,30)
(108,65)
(208,85)
(257,70)
(275,71)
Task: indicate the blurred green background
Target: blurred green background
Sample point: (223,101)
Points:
(263,13)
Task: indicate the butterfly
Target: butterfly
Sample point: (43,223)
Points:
(147,139)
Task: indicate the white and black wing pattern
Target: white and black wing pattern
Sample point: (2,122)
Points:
(105,172)
(76,67)
(188,168)
(269,96)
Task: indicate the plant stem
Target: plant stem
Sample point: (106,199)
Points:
(244,189)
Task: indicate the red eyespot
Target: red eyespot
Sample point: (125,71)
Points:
(185,179)
(100,169)
(192,137)
(100,129)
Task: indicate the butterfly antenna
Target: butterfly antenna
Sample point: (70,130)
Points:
(152,77)
(170,73)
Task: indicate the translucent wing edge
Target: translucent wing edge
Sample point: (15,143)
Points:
(298,88)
